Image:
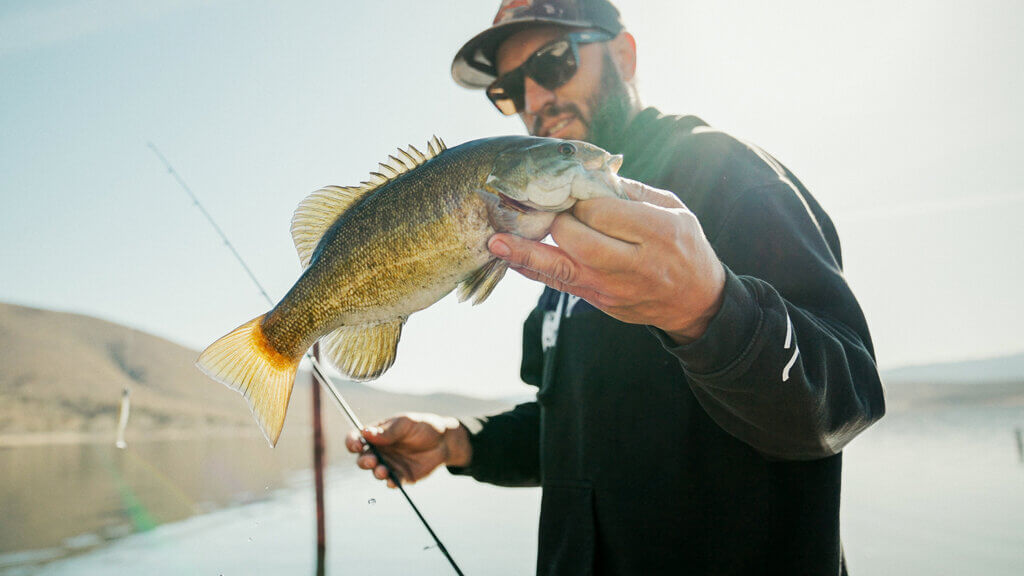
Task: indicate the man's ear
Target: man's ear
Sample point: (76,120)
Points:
(623,49)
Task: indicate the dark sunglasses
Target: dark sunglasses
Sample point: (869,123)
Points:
(551,66)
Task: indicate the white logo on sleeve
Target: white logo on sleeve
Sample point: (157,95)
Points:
(789,342)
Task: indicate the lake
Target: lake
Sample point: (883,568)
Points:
(938,491)
(231,505)
(926,492)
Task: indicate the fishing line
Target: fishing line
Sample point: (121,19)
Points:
(318,371)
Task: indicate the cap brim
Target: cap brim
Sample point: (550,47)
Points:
(473,66)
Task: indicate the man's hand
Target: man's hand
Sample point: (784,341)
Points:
(413,445)
(642,262)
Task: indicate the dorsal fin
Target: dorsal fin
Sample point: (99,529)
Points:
(317,212)
(320,209)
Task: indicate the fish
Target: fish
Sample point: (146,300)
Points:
(375,253)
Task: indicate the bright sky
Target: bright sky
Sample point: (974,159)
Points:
(903,119)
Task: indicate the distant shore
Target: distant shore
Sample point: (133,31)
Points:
(901,396)
(12,440)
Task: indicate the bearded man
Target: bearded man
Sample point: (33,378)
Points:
(699,358)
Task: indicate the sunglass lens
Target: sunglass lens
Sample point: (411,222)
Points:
(553,66)
(507,93)
(506,106)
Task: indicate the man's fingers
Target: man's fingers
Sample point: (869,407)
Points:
(633,222)
(587,294)
(388,432)
(354,442)
(380,469)
(549,261)
(641,192)
(367,461)
(401,470)
(589,246)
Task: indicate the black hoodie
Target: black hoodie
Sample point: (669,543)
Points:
(721,456)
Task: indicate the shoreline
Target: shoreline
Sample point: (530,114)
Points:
(22,439)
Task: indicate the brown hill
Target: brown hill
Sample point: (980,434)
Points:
(61,375)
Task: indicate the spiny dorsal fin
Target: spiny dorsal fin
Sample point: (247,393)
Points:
(320,209)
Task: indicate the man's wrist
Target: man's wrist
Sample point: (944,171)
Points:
(695,329)
(459,450)
(689,334)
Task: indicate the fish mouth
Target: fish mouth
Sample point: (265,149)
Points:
(527,206)
(609,162)
(613,163)
(514,204)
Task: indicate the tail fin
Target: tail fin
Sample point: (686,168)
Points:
(244,361)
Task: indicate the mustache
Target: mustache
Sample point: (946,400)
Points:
(552,110)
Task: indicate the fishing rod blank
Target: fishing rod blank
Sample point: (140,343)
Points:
(318,371)
(319,374)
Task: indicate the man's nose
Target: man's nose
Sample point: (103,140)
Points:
(535,96)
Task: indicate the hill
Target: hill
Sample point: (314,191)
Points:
(991,381)
(61,377)
(1000,370)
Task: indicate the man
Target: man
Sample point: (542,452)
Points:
(705,362)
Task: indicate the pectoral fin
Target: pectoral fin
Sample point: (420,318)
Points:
(502,216)
(365,351)
(480,284)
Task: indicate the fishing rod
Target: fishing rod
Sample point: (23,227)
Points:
(318,371)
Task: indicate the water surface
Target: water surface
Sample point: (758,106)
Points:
(926,492)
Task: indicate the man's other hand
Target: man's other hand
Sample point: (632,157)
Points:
(642,262)
(412,445)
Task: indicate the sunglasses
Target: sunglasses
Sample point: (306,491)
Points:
(551,66)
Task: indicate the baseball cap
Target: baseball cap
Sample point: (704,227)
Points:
(474,67)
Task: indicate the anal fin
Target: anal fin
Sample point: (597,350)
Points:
(364,351)
(480,284)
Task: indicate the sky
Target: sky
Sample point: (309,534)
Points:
(902,118)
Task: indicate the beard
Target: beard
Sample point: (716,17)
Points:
(611,107)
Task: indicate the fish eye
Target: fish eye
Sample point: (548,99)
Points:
(566,149)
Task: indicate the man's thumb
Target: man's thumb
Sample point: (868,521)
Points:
(387,432)
(641,192)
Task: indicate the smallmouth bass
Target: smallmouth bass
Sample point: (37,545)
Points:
(373,254)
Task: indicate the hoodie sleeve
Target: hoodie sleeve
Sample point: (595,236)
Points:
(506,447)
(787,364)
